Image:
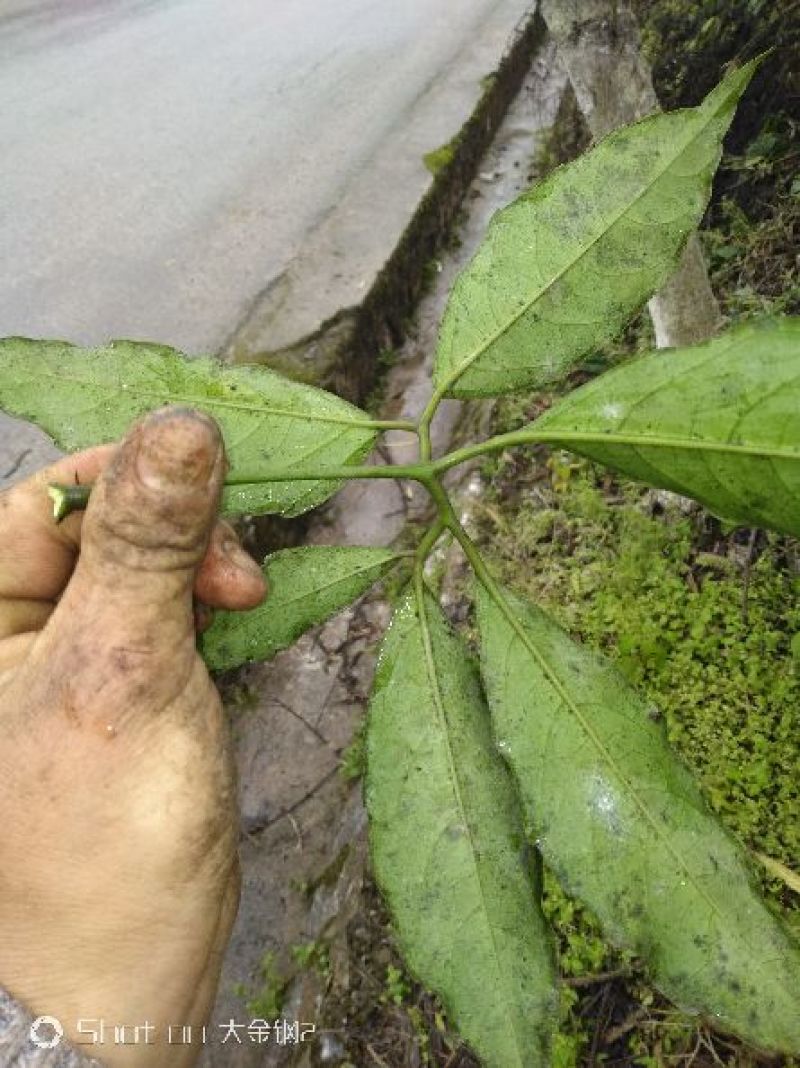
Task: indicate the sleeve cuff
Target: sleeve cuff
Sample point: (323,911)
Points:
(35,1042)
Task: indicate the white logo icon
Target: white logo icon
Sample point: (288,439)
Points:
(53,1032)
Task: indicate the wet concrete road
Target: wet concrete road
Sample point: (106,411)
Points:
(163,160)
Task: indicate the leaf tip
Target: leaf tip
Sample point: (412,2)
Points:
(728,92)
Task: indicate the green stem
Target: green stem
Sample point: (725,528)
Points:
(417,472)
(476,562)
(451,521)
(67,498)
(496,444)
(393,424)
(425,547)
(424,425)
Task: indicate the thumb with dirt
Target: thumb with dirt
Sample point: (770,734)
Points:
(118,825)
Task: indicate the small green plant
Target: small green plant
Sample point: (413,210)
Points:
(546,752)
(353,762)
(397,988)
(265,1002)
(440,157)
(313,956)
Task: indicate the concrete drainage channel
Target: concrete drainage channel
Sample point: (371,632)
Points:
(303,824)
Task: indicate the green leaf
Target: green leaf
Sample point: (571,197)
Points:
(564,267)
(306,587)
(719,422)
(624,827)
(84,397)
(448,848)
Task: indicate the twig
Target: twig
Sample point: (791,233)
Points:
(780,871)
(705,1038)
(627,1025)
(601,977)
(602,1020)
(695,1051)
(376,1057)
(748,565)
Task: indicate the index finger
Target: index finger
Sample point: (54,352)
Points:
(37,555)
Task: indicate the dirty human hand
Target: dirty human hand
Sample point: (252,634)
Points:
(118,868)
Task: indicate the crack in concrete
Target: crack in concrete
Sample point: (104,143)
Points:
(288,708)
(16,464)
(255,829)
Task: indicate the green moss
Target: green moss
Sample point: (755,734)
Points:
(353,761)
(312,956)
(689,43)
(566,139)
(397,988)
(440,157)
(753,262)
(753,223)
(384,361)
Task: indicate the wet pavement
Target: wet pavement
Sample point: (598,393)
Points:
(164,162)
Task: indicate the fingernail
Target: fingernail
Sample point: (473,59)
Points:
(241,559)
(177,447)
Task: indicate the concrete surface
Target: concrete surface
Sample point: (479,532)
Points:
(164,162)
(23,449)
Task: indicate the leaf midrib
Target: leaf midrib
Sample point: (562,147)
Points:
(272,604)
(211,402)
(433,679)
(664,442)
(453,377)
(232,622)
